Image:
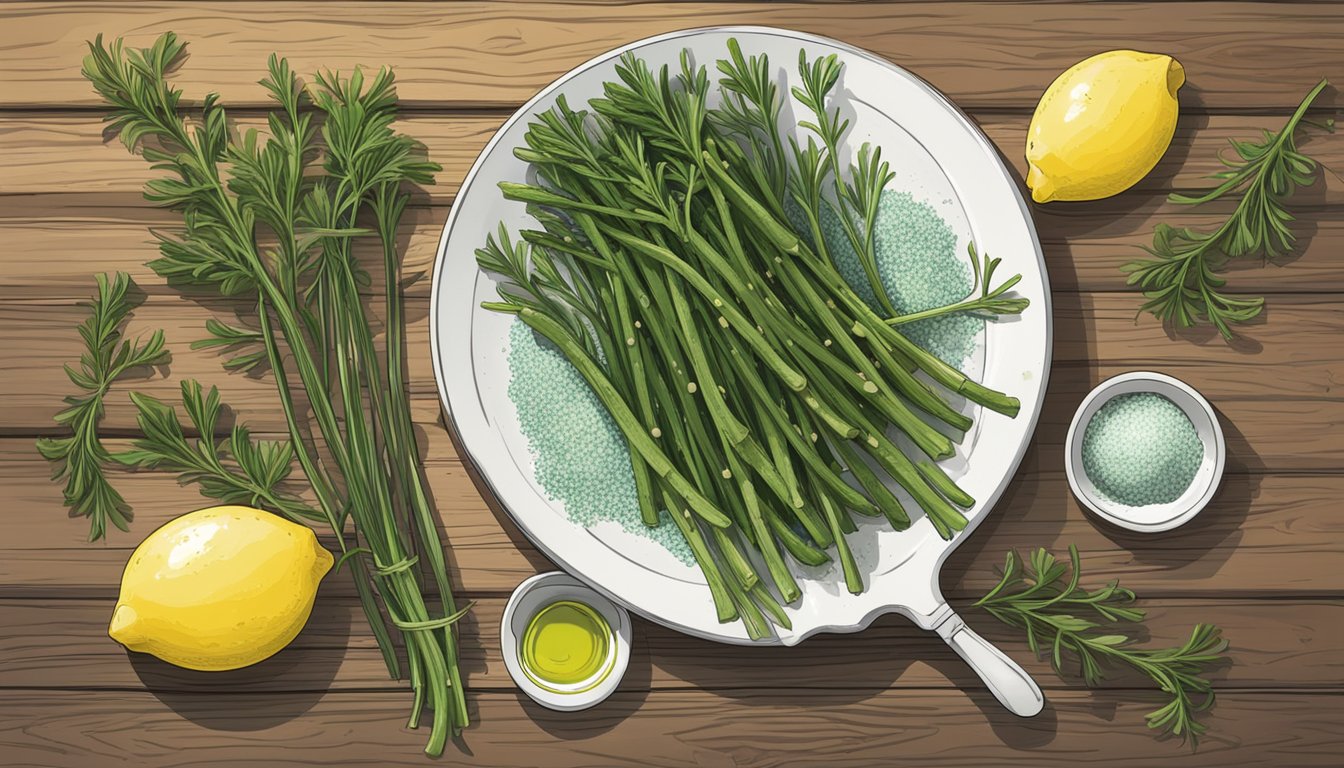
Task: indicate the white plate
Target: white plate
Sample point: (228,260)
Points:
(942,158)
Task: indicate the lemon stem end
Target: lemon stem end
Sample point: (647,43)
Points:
(125,626)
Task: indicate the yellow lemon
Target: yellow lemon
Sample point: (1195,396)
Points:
(1102,125)
(219,588)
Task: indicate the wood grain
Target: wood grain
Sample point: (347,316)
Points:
(1263,535)
(1288,421)
(52,228)
(62,153)
(63,644)
(1263,561)
(746,729)
(49,247)
(1245,56)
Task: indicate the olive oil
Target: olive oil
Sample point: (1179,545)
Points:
(567,647)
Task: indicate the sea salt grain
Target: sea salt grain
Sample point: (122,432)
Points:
(919,268)
(1140,448)
(580,455)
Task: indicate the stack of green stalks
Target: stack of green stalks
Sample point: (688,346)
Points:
(750,380)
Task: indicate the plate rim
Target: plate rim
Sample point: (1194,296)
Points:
(1042,376)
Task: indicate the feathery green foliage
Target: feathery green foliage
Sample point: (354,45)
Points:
(230,338)
(80,458)
(746,375)
(990,302)
(235,470)
(1181,280)
(1044,598)
(302,189)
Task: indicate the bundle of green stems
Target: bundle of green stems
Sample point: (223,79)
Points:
(274,222)
(750,381)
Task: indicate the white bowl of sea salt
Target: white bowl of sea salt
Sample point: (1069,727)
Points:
(1145,452)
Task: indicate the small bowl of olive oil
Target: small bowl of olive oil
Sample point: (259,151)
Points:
(565,645)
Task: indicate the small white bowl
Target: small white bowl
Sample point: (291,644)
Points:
(1150,518)
(533,595)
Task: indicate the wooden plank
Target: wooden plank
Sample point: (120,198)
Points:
(1262,535)
(1263,561)
(63,153)
(1096,335)
(981,54)
(89,161)
(1265,432)
(48,250)
(62,644)
(50,238)
(747,729)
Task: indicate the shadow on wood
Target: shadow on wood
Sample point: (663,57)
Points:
(864,679)
(630,696)
(1019,501)
(1013,731)
(855,682)
(1201,546)
(1123,204)
(1018,504)
(206,698)
(638,676)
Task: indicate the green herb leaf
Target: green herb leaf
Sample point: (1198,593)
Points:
(991,302)
(238,470)
(1047,603)
(855,200)
(107,356)
(230,339)
(273,218)
(1180,281)
(730,352)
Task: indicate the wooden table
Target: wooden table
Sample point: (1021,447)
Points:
(1264,561)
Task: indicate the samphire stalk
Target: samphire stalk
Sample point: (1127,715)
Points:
(745,373)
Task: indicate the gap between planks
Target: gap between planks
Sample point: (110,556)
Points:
(747,729)
(1274,644)
(61,153)
(1263,536)
(49,249)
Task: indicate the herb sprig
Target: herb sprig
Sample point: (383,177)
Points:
(732,354)
(107,356)
(236,470)
(815,180)
(233,340)
(990,301)
(1181,281)
(857,199)
(272,220)
(1049,604)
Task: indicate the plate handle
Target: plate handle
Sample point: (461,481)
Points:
(1009,683)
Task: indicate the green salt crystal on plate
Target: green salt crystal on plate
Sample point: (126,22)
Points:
(580,456)
(919,266)
(1140,448)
